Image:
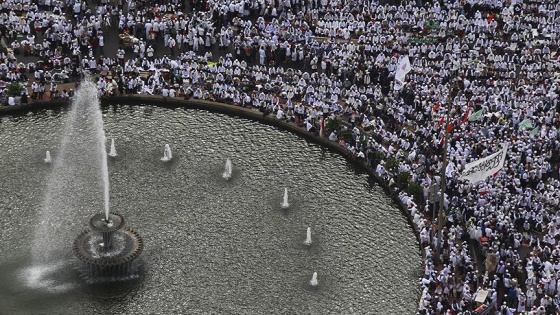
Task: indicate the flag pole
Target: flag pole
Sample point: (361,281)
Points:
(441,215)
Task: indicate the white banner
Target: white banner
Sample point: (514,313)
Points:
(485,167)
(403,68)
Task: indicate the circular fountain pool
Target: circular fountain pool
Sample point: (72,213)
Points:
(212,246)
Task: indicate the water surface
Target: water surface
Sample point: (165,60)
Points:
(211,246)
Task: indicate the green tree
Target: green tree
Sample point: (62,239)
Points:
(414,189)
(14,89)
(401,180)
(392,165)
(333,125)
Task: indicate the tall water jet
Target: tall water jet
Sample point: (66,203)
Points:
(103,152)
(285,203)
(307,241)
(113,150)
(48,158)
(167,156)
(79,182)
(227,170)
(314,282)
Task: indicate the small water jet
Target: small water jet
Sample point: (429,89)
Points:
(307,241)
(113,150)
(167,156)
(48,158)
(227,170)
(285,204)
(314,282)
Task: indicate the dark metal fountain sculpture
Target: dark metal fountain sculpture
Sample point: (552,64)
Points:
(108,247)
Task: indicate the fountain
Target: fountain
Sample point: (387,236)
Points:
(48,158)
(227,170)
(113,150)
(314,282)
(285,204)
(78,184)
(208,233)
(108,248)
(167,156)
(307,241)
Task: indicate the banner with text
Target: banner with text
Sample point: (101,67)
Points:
(485,167)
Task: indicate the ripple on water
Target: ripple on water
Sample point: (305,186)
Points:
(215,246)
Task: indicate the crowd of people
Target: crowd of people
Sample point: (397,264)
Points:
(483,71)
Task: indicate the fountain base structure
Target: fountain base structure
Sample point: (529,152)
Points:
(107,247)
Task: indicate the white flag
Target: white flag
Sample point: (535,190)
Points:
(485,167)
(398,85)
(403,68)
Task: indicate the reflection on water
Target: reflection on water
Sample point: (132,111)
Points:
(213,246)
